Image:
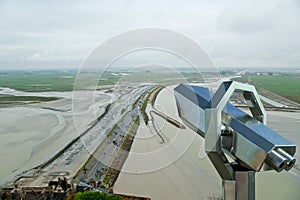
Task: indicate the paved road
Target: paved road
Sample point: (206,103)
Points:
(272,102)
(106,154)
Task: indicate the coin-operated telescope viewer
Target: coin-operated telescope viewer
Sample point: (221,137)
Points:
(238,144)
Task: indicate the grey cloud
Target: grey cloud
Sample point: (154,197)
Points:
(63,33)
(250,17)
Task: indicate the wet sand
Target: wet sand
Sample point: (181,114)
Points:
(31,134)
(172,170)
(180,169)
(25,134)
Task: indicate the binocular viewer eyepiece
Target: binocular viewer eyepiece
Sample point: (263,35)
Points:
(279,159)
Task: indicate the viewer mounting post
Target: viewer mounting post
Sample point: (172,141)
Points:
(231,133)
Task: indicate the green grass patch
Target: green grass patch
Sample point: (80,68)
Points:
(21,100)
(96,196)
(156,94)
(136,102)
(286,86)
(143,108)
(108,175)
(128,139)
(136,122)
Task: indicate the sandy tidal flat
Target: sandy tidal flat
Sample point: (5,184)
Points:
(171,170)
(21,128)
(32,134)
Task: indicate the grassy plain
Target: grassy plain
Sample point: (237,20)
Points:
(286,86)
(63,80)
(37,81)
(46,81)
(6,100)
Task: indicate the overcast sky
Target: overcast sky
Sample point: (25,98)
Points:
(62,33)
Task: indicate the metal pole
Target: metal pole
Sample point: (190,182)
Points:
(242,188)
(245,185)
(228,187)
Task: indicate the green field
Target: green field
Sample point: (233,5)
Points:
(286,86)
(64,80)
(9,100)
(45,81)
(37,81)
